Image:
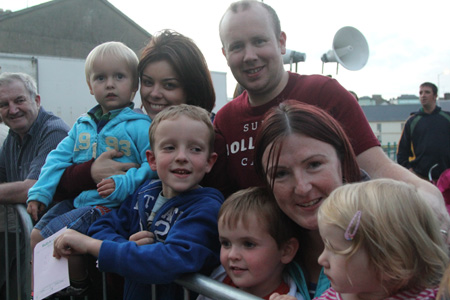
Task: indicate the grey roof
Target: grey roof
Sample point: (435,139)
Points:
(395,113)
(68,28)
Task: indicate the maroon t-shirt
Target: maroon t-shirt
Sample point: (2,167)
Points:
(237,124)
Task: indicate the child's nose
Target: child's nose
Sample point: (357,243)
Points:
(234,254)
(110,82)
(181,155)
(322,260)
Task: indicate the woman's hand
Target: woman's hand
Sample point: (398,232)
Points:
(104,166)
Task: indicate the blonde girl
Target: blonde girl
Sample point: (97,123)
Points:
(382,241)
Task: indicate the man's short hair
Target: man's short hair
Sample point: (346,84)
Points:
(27,80)
(432,86)
(246,4)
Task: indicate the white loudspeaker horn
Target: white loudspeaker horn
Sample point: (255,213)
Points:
(350,49)
(292,56)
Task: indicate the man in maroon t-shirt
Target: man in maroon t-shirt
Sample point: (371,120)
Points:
(253,45)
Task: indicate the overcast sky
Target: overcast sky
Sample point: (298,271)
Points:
(408,40)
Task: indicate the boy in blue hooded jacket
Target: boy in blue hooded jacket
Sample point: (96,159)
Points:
(166,228)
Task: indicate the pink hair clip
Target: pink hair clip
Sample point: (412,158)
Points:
(354,223)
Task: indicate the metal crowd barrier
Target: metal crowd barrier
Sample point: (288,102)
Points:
(22,226)
(211,288)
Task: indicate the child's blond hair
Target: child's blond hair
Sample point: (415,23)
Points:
(117,50)
(397,228)
(190,111)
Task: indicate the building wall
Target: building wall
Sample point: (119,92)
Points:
(220,87)
(63,88)
(68,28)
(387,132)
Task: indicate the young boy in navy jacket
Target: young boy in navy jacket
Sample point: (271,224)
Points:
(166,228)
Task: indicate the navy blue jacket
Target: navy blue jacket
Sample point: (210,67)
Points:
(186,234)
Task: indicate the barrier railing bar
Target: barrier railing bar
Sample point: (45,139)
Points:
(212,288)
(27,226)
(186,295)
(104,286)
(153,291)
(18,261)
(6,253)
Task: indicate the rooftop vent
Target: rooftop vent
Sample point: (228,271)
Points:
(4,12)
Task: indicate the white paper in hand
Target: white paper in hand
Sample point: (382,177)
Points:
(50,274)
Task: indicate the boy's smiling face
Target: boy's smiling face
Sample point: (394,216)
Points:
(181,154)
(251,256)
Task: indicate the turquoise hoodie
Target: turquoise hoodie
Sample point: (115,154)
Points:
(127,133)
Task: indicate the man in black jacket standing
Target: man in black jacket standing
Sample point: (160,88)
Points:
(425,141)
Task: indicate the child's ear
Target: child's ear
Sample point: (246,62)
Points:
(210,162)
(289,249)
(151,158)
(90,88)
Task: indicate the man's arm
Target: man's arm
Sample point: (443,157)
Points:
(15,192)
(378,165)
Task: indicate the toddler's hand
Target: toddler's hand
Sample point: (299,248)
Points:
(106,187)
(143,238)
(34,208)
(276,296)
